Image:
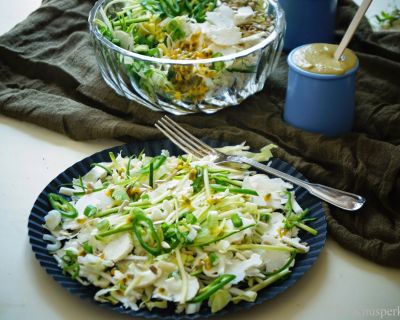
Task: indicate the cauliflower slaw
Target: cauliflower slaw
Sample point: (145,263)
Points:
(148,231)
(189,29)
(186,30)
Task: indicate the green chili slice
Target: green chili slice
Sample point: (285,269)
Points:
(87,247)
(166,8)
(151,175)
(190,218)
(213,287)
(188,5)
(174,6)
(199,12)
(60,204)
(137,224)
(236,220)
(70,264)
(222,188)
(90,211)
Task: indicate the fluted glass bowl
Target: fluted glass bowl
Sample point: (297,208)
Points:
(188,90)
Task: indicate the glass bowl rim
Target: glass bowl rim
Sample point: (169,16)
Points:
(279,27)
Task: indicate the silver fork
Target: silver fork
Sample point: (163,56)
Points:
(192,145)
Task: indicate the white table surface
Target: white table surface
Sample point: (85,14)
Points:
(340,285)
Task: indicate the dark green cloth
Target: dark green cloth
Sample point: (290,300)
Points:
(49,76)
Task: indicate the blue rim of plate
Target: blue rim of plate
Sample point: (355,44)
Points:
(41,207)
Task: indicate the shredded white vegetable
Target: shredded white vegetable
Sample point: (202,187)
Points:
(206,233)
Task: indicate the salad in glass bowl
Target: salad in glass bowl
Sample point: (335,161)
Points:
(152,232)
(186,56)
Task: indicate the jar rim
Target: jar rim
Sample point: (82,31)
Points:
(322,76)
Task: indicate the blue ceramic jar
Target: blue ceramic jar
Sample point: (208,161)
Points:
(322,103)
(308,21)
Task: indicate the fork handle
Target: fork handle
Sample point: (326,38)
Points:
(342,199)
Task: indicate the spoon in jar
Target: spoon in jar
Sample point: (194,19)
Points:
(352,28)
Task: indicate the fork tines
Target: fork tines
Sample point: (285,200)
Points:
(183,138)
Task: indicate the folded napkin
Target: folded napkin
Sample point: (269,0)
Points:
(49,76)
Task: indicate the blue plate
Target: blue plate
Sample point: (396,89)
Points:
(41,207)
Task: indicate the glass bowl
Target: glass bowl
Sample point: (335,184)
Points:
(188,86)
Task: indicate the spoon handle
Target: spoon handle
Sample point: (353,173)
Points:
(352,28)
(342,199)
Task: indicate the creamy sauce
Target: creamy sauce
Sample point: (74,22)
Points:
(319,58)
